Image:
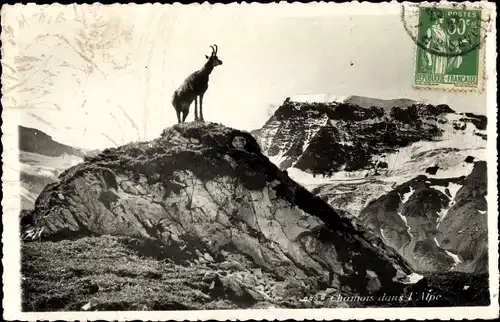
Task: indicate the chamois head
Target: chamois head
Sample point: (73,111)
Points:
(213,59)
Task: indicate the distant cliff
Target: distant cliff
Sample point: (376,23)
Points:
(36,141)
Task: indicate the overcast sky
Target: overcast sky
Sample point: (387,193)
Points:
(268,54)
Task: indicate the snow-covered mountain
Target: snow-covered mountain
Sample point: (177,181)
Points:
(360,153)
(362,101)
(42,160)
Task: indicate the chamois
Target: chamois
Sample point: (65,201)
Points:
(194,88)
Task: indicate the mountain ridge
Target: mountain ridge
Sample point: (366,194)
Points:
(319,122)
(36,141)
(353,155)
(362,101)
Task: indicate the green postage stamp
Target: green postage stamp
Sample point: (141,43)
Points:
(450,51)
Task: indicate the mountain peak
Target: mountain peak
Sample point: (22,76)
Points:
(317,98)
(361,101)
(357,132)
(367,102)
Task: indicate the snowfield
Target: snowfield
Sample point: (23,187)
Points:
(309,180)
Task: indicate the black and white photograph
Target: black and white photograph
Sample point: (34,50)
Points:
(249,161)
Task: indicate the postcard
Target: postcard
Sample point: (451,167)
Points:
(249,161)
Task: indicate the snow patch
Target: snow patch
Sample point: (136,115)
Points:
(458,170)
(348,143)
(413,278)
(442,214)
(277,159)
(403,218)
(314,127)
(318,98)
(269,137)
(408,228)
(455,257)
(407,195)
(453,188)
(382,235)
(306,178)
(456,145)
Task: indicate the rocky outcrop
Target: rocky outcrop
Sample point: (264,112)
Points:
(436,224)
(206,194)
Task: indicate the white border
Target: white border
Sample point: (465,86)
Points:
(11,206)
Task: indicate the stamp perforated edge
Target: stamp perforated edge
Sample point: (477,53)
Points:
(10,237)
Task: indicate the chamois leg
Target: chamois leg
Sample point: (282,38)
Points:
(196,108)
(178,115)
(201,108)
(185,114)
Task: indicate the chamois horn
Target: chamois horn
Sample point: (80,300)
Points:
(214,49)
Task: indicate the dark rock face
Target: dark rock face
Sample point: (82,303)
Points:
(432,170)
(33,140)
(433,228)
(469,159)
(480,121)
(323,138)
(328,137)
(463,230)
(207,193)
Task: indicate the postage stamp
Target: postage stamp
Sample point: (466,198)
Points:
(449,45)
(249,161)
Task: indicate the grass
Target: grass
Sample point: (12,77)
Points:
(110,275)
(116,273)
